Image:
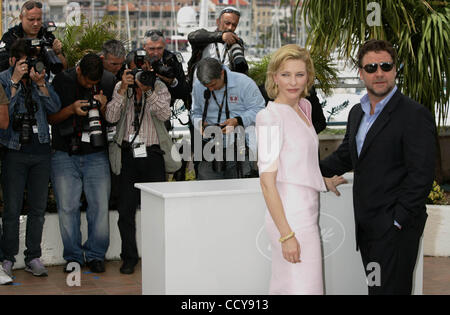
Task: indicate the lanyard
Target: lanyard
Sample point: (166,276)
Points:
(224,100)
(137,110)
(218,53)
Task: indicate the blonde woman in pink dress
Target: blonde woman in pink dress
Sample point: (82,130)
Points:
(289,174)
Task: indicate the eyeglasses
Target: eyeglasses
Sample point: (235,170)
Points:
(154,32)
(31,5)
(373,67)
(230,10)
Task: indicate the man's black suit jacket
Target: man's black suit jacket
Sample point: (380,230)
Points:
(394,173)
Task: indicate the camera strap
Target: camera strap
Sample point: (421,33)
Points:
(138,122)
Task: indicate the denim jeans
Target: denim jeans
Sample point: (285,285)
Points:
(19,171)
(72,175)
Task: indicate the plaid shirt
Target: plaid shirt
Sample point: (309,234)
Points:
(157,102)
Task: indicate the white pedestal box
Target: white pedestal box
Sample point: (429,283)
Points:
(208,237)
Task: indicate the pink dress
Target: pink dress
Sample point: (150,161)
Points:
(287,144)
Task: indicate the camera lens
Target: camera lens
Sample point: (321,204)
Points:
(238,59)
(147,78)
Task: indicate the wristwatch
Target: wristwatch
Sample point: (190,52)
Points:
(15,85)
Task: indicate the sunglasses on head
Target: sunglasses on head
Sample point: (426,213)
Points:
(153,32)
(32,4)
(372,67)
(230,10)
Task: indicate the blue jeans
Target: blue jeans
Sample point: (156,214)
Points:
(19,171)
(72,175)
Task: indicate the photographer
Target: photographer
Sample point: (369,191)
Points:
(222,44)
(135,153)
(27,159)
(223,99)
(113,55)
(31,27)
(80,161)
(166,65)
(170,70)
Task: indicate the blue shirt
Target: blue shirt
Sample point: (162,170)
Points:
(244,100)
(45,105)
(368,120)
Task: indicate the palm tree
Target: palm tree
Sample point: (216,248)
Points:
(79,40)
(419,30)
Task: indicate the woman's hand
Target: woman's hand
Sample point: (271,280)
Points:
(291,250)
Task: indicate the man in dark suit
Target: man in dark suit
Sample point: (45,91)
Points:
(390,146)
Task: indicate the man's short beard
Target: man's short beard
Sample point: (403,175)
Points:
(381,95)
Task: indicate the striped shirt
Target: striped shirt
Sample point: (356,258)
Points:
(157,102)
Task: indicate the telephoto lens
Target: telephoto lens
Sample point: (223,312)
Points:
(238,59)
(95,124)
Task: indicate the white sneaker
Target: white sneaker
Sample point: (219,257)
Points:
(4,278)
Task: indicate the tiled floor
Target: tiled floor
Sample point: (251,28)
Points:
(112,282)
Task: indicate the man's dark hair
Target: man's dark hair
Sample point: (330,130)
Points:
(91,67)
(376,45)
(19,48)
(208,69)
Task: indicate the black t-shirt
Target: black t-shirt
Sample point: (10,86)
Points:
(69,91)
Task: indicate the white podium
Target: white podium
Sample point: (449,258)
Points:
(208,237)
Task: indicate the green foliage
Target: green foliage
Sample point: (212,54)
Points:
(419,30)
(326,74)
(336,109)
(436,195)
(86,37)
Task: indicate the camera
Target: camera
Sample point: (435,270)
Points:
(147,78)
(95,124)
(45,57)
(237,57)
(33,60)
(51,61)
(23,123)
(160,68)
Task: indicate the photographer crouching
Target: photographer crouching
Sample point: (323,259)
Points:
(27,159)
(80,161)
(224,102)
(140,101)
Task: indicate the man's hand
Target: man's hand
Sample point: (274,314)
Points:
(127,80)
(37,77)
(333,182)
(77,107)
(229,38)
(57,46)
(19,70)
(229,125)
(102,99)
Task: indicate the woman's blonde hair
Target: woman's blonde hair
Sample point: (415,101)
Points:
(288,52)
